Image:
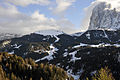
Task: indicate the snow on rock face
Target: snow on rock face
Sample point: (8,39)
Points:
(105,17)
(49,32)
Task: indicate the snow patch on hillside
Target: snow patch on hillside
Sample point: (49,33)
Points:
(11,52)
(57,38)
(77,75)
(97,45)
(106,35)
(16,46)
(50,52)
(88,35)
(73,56)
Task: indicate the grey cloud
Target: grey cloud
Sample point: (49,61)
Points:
(14,21)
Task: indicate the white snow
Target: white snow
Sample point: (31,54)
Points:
(81,44)
(50,52)
(88,35)
(44,38)
(37,51)
(105,17)
(66,49)
(16,46)
(11,52)
(92,73)
(49,32)
(58,64)
(88,53)
(67,67)
(119,58)
(65,54)
(106,35)
(77,75)
(57,39)
(116,45)
(73,56)
(77,34)
(98,45)
(26,53)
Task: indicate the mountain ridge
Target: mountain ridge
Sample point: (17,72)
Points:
(72,53)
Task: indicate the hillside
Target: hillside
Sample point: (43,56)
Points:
(80,55)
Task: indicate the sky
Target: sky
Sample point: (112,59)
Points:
(27,16)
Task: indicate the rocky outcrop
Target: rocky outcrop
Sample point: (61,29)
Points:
(104,17)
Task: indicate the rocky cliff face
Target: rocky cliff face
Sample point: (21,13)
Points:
(105,17)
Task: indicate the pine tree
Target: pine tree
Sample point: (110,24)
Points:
(103,74)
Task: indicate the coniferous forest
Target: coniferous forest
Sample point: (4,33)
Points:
(13,67)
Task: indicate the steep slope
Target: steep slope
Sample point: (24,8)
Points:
(104,17)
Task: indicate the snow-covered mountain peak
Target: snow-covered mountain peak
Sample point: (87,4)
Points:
(111,4)
(105,16)
(49,32)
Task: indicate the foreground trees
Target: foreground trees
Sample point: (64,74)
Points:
(103,74)
(13,67)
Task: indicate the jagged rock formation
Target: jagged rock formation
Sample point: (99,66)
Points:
(104,17)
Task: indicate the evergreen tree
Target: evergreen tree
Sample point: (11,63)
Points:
(16,68)
(103,74)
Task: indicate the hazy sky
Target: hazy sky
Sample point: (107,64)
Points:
(25,16)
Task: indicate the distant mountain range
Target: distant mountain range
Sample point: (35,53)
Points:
(4,36)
